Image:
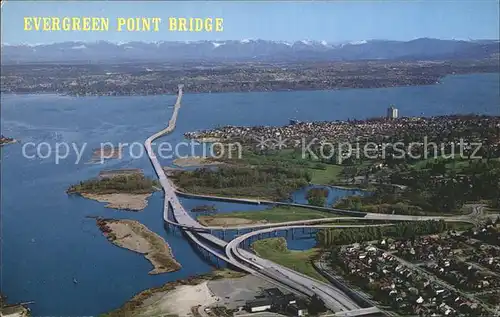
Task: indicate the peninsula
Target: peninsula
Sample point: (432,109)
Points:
(5,140)
(195,161)
(134,236)
(13,310)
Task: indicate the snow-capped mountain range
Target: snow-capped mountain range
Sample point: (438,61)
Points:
(248,50)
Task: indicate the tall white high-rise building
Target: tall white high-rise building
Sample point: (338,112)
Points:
(392,112)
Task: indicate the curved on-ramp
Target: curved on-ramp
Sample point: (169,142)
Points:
(333,297)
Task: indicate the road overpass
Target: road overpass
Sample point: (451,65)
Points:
(193,225)
(331,295)
(344,212)
(357,312)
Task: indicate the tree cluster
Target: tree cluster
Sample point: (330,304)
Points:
(317,196)
(440,187)
(136,184)
(276,181)
(406,230)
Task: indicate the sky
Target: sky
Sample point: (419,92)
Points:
(333,21)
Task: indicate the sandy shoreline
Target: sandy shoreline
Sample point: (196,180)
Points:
(177,298)
(180,301)
(195,161)
(13,310)
(207,140)
(134,236)
(134,202)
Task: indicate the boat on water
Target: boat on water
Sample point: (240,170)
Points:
(75,281)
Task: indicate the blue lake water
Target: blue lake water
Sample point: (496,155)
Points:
(47,241)
(334,194)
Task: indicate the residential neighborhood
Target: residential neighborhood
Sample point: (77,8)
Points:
(449,274)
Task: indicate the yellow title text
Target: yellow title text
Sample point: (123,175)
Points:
(122,24)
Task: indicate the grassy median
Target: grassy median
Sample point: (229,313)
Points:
(275,214)
(276,250)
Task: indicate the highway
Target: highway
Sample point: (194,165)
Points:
(474,217)
(279,275)
(286,278)
(331,295)
(349,214)
(368,216)
(270,202)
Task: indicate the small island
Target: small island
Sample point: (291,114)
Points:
(5,140)
(102,154)
(134,236)
(127,191)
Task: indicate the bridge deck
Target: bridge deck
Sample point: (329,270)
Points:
(270,271)
(359,312)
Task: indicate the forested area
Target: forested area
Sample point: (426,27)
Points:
(273,182)
(334,237)
(445,185)
(134,184)
(435,186)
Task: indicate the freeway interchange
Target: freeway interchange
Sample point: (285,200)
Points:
(333,298)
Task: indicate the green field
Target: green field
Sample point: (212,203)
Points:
(328,175)
(321,173)
(277,214)
(274,175)
(276,250)
(459,226)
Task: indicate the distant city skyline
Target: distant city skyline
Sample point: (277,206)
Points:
(333,22)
